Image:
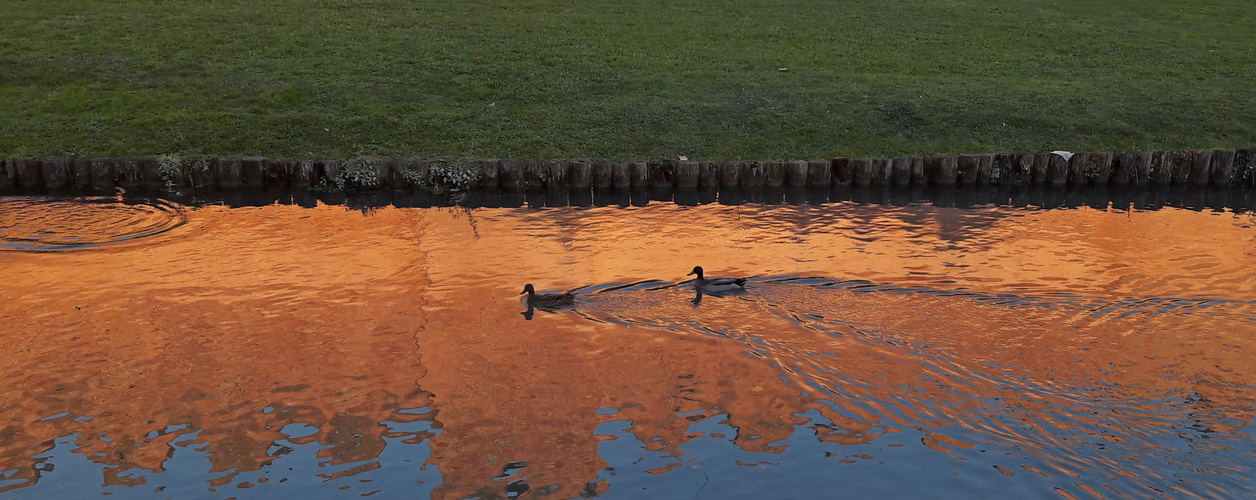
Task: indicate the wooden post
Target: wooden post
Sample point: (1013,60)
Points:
(919,172)
(900,170)
(1201,168)
(1057,170)
(103,174)
(1077,169)
(639,173)
(8,176)
(708,175)
(253,172)
(1021,171)
(204,172)
(796,173)
(1039,171)
(774,175)
(843,175)
(1142,167)
(81,174)
(579,174)
(943,170)
(281,173)
(1001,168)
(1222,168)
(1180,162)
(510,175)
(621,175)
(29,174)
(985,168)
(861,171)
(536,177)
(968,167)
(730,175)
(128,171)
(752,174)
(229,176)
(687,174)
(819,173)
(56,173)
(1243,173)
(662,175)
(1161,168)
(603,175)
(302,175)
(1124,168)
(881,173)
(1098,168)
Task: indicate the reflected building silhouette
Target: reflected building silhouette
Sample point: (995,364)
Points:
(723,383)
(959,329)
(138,350)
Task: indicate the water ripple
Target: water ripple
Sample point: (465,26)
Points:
(873,359)
(70,224)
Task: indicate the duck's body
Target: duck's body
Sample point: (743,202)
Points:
(547,299)
(716,285)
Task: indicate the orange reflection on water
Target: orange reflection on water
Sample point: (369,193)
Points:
(1107,256)
(251,319)
(309,312)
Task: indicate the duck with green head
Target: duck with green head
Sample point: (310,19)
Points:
(716,285)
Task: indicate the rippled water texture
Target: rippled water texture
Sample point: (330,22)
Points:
(878,352)
(44,225)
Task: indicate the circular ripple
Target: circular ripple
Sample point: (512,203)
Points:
(59,225)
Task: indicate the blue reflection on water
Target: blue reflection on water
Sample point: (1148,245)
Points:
(401,466)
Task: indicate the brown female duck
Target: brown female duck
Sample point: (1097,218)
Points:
(547,299)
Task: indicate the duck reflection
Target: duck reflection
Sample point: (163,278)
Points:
(698,294)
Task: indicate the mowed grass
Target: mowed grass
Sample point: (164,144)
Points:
(619,80)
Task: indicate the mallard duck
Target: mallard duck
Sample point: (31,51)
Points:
(716,285)
(547,299)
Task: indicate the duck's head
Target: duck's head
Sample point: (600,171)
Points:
(696,270)
(527,289)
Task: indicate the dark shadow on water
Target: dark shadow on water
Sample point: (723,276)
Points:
(1122,197)
(1236,199)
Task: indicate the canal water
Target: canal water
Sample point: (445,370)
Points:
(154,350)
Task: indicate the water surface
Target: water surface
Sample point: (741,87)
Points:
(890,351)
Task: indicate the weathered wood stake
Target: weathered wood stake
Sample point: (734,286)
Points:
(56,173)
(687,174)
(603,175)
(29,174)
(843,174)
(1222,169)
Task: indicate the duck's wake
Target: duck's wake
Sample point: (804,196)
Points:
(899,357)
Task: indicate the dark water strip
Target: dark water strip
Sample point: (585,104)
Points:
(1237,199)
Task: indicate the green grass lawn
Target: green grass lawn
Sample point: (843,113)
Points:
(621,80)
